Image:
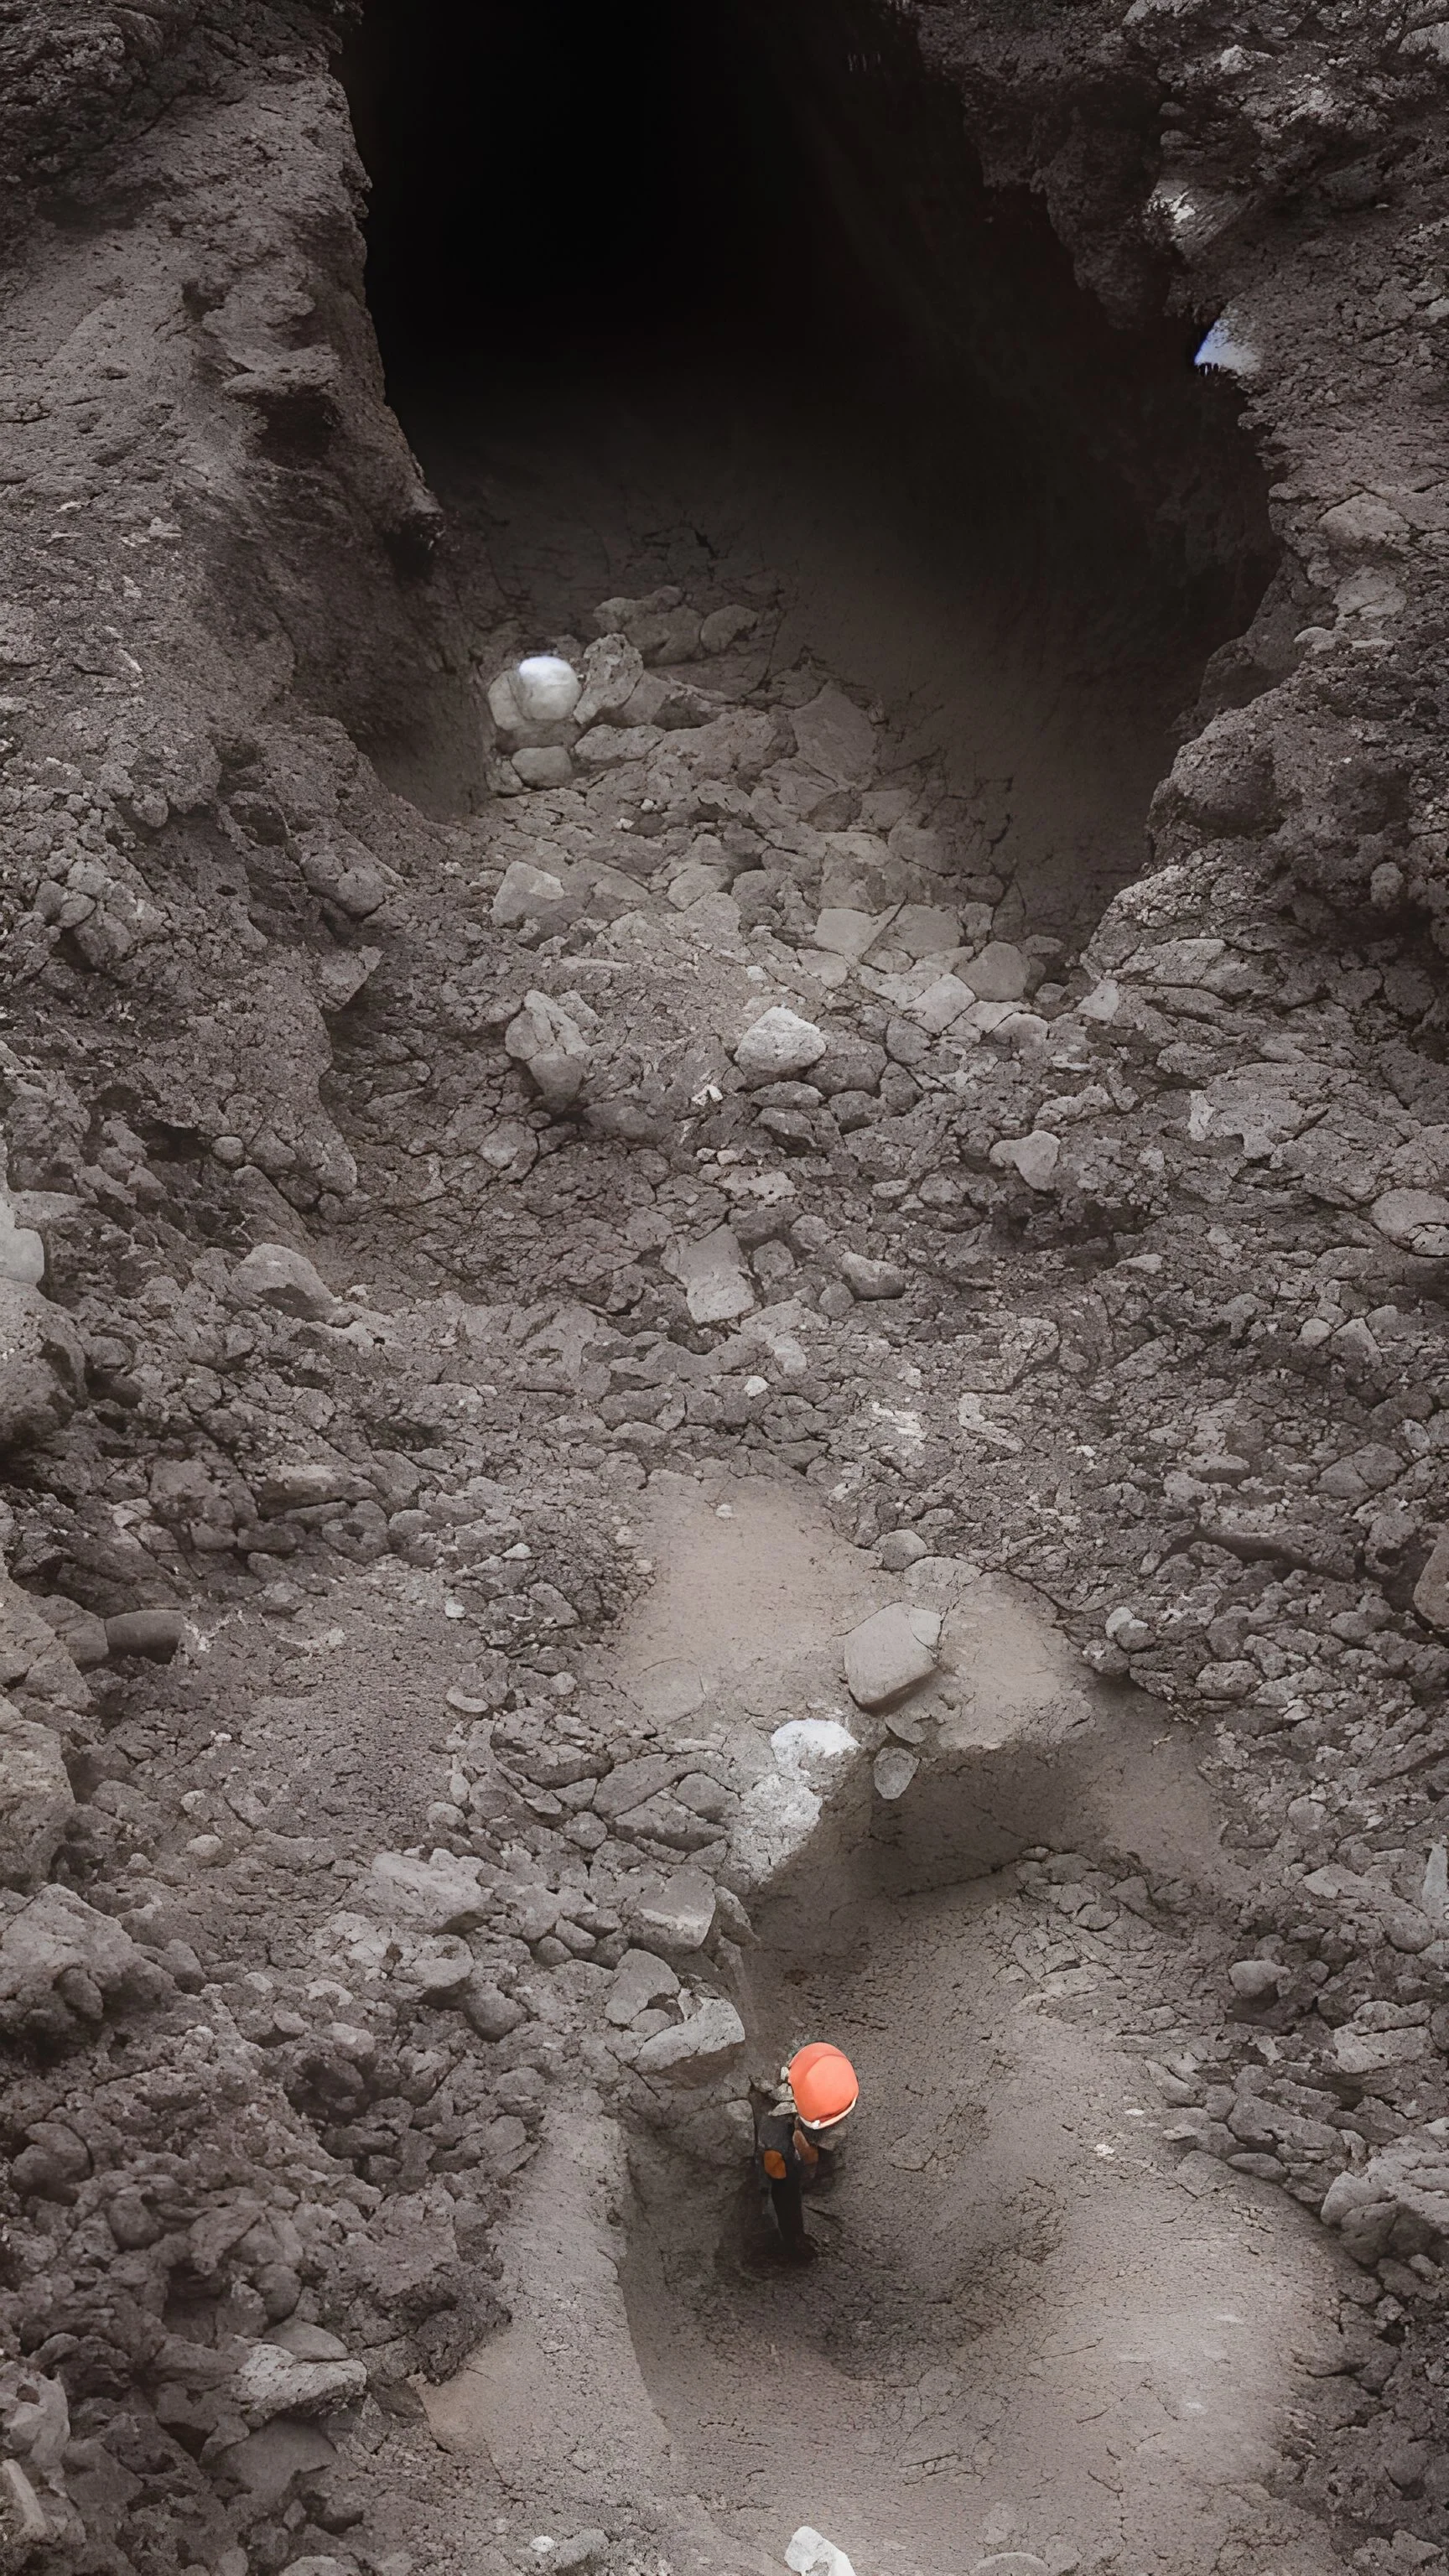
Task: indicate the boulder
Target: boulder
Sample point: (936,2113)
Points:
(153,1633)
(61,1960)
(714,1278)
(640,1980)
(835,737)
(677,1916)
(437,1895)
(1431,1592)
(36,1801)
(275,1275)
(81,1633)
(778,1046)
(694,2050)
(42,1366)
(548,1042)
(273,2382)
(891,1654)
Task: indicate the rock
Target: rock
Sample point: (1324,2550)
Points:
(277,1276)
(1035,1156)
(1416,1219)
(1007,2562)
(442,1965)
(308,2343)
(438,1895)
(835,737)
(1257,1979)
(809,2553)
(22,1253)
(81,1633)
(867,1279)
(341,977)
(890,1655)
(489,2011)
(57,1941)
(999,974)
(893,1771)
(1367,2052)
(778,1045)
(543,765)
(692,2051)
(714,1277)
(900,1548)
(677,1916)
(1431,1592)
(482,1686)
(549,1043)
(640,1980)
(546,689)
(36,1800)
(24,2527)
(941,1004)
(527,894)
(613,669)
(153,1633)
(272,2382)
(42,1366)
(843,932)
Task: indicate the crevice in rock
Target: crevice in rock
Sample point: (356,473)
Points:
(741,276)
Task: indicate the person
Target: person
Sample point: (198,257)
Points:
(798,2125)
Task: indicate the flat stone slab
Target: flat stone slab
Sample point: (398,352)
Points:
(891,1654)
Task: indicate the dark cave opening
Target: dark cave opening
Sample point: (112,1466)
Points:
(599,238)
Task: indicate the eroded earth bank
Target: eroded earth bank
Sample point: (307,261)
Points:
(752,1351)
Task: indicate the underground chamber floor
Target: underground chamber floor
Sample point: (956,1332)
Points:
(1027,2328)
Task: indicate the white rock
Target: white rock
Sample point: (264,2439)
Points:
(272,2382)
(1367,2052)
(1255,1978)
(810,2554)
(819,1749)
(893,1770)
(714,1278)
(778,1046)
(546,689)
(891,1654)
(22,1253)
(777,1816)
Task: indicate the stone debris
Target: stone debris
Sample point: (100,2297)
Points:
(890,1655)
(725,1090)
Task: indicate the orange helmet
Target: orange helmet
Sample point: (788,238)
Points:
(824,2084)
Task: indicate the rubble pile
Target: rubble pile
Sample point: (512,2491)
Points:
(391,1194)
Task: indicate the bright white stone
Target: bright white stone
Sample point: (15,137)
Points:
(546,689)
(778,1046)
